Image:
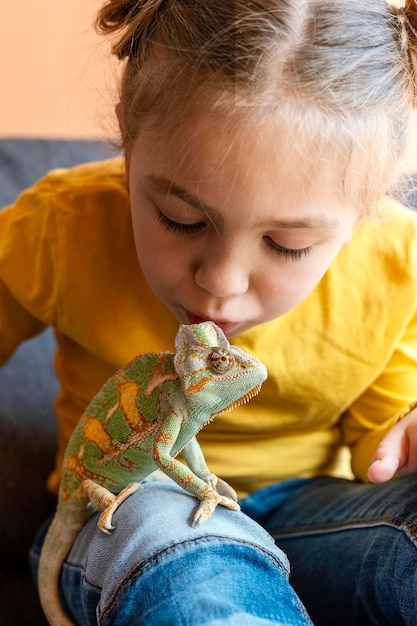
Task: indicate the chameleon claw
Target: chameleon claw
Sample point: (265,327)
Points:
(229,503)
(218,484)
(224,489)
(212,481)
(105,520)
(157,403)
(208,506)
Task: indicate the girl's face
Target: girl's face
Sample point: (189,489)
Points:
(233,224)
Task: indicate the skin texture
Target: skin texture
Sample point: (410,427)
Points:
(223,229)
(144,415)
(238,225)
(397,452)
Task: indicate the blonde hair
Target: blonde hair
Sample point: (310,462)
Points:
(342,74)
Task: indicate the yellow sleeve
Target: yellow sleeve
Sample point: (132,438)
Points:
(27,267)
(388,399)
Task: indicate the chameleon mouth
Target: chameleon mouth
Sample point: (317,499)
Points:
(243,400)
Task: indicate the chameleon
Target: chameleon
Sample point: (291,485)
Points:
(145,415)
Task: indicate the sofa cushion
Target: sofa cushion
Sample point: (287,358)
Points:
(27,389)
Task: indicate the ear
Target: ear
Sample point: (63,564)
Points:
(196,338)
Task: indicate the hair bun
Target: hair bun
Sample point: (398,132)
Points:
(407,16)
(129,18)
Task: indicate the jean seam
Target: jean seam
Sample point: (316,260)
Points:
(166,550)
(405,525)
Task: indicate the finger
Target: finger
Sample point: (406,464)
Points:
(389,457)
(383,469)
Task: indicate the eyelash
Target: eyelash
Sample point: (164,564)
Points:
(177,227)
(192,229)
(288,253)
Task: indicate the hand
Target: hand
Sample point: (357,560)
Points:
(397,452)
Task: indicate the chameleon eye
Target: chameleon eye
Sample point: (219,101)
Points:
(221,360)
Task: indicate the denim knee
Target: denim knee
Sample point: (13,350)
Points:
(155,568)
(208,580)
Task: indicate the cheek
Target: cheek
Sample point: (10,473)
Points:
(285,287)
(156,270)
(149,246)
(280,296)
(160,259)
(149,253)
(148,250)
(304,277)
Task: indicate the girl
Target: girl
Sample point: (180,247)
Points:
(259,138)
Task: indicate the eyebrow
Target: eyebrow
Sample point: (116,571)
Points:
(317,222)
(168,187)
(164,185)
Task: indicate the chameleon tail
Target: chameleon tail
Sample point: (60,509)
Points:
(57,544)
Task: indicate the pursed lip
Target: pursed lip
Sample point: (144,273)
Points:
(227,327)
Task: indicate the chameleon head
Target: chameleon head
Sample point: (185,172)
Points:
(215,376)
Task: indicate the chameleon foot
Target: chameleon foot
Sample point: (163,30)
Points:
(209,504)
(218,484)
(224,489)
(105,521)
(106,502)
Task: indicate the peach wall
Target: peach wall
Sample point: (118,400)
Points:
(57,76)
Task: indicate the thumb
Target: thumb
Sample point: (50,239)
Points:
(382,468)
(388,457)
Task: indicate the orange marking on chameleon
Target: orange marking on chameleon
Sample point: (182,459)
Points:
(75,465)
(198,386)
(128,393)
(164,439)
(116,451)
(95,432)
(83,479)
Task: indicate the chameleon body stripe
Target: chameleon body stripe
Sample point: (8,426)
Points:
(142,417)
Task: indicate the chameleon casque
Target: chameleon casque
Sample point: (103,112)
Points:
(143,416)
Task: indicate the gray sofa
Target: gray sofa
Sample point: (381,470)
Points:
(27,424)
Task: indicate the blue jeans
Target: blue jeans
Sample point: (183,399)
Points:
(352,549)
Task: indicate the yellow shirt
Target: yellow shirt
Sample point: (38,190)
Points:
(342,365)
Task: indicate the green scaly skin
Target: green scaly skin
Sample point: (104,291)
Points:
(141,419)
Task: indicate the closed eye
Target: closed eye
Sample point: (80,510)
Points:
(178,227)
(293,254)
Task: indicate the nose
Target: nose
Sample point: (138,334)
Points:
(223,274)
